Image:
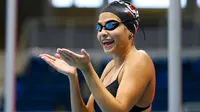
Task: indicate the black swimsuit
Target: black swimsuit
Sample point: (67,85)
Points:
(112,88)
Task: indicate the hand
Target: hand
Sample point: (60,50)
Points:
(59,64)
(74,59)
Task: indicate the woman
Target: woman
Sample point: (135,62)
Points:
(128,81)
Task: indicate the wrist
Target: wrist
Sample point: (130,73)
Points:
(86,68)
(72,77)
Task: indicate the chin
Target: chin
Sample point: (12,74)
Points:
(109,51)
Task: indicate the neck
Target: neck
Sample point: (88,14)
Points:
(121,57)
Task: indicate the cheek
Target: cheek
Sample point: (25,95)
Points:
(117,34)
(98,36)
(120,32)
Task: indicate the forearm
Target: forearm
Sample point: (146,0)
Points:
(77,103)
(106,101)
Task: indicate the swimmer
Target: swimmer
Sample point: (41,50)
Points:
(127,83)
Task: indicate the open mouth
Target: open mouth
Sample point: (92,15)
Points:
(108,43)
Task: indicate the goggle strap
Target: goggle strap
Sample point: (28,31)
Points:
(142,28)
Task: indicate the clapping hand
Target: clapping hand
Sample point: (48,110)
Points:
(59,64)
(80,61)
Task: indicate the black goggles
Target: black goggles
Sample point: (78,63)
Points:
(110,25)
(113,24)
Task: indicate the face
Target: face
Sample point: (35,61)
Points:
(112,35)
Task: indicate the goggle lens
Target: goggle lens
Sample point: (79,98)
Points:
(111,25)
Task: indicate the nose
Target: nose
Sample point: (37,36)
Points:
(103,33)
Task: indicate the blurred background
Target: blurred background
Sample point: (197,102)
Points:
(45,25)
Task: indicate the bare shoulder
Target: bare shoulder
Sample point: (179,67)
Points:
(140,60)
(143,54)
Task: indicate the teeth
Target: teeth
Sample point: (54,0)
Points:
(108,38)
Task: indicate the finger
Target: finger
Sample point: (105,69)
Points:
(72,59)
(49,61)
(65,55)
(58,56)
(83,51)
(66,58)
(58,50)
(73,54)
(48,56)
(41,55)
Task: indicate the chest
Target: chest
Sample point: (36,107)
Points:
(113,75)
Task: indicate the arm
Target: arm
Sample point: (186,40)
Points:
(130,89)
(77,103)
(90,103)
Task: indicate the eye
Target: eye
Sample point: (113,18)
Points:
(98,27)
(111,25)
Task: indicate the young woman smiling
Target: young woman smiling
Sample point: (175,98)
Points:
(127,84)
